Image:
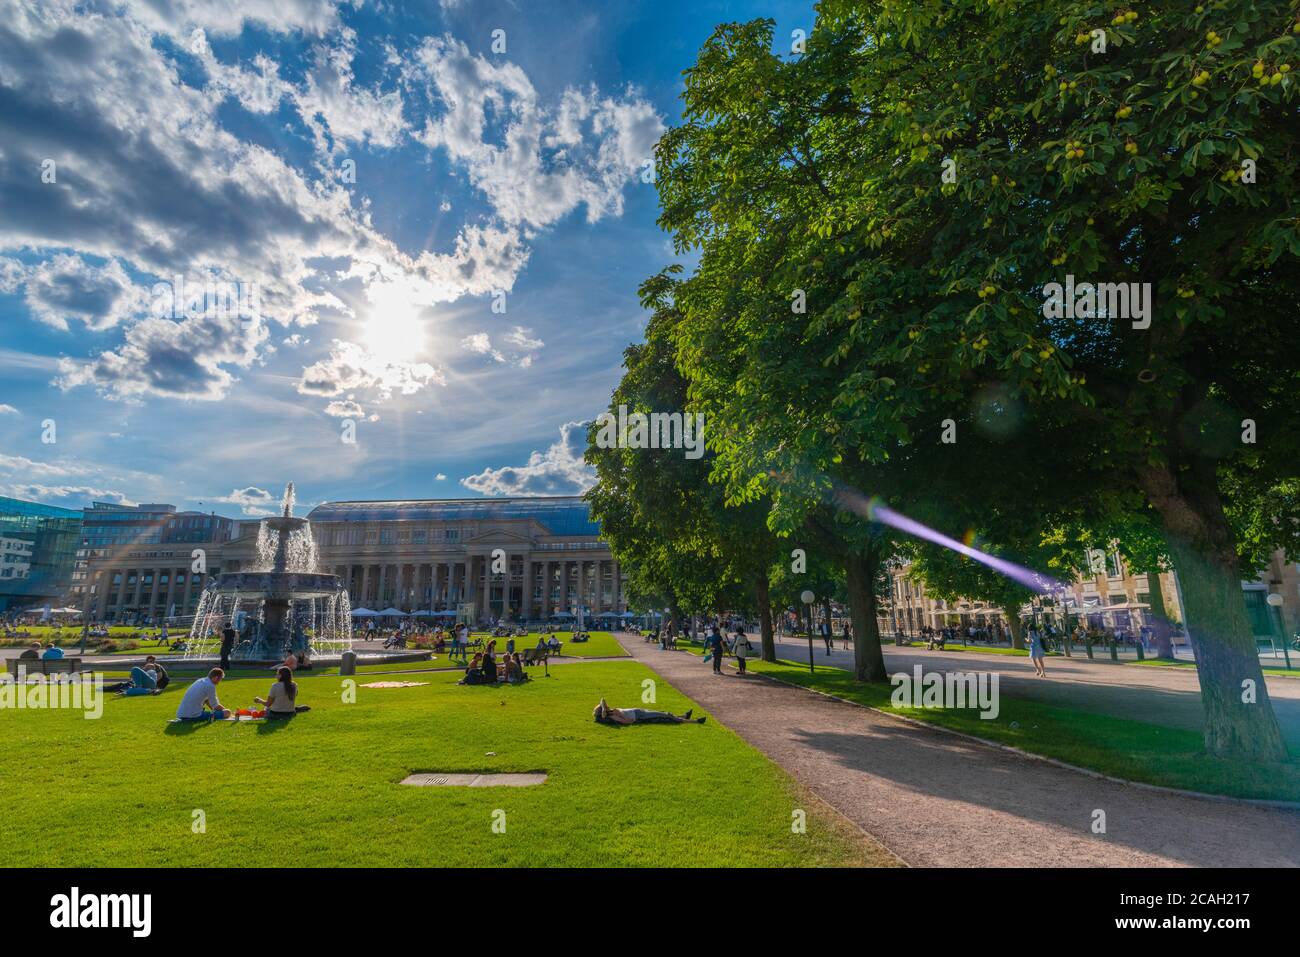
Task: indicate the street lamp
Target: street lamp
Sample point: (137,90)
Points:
(1274,600)
(808,599)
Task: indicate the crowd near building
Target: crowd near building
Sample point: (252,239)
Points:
(488,559)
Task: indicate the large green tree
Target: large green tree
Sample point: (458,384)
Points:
(880,222)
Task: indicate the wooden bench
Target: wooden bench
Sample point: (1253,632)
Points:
(45,666)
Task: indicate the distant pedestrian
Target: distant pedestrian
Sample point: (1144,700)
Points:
(228,636)
(1036,652)
(827,636)
(740,647)
(713,645)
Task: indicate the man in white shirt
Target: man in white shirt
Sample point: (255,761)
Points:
(202,692)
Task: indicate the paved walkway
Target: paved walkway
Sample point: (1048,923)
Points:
(1168,696)
(935,799)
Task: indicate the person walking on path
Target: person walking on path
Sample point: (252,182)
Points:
(741,647)
(713,645)
(1036,652)
(825,628)
(228,636)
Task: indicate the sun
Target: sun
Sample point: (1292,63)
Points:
(392,328)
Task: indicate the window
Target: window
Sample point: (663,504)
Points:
(386,536)
(418,536)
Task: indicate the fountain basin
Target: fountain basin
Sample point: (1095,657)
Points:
(278,584)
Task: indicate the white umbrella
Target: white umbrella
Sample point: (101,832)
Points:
(364,613)
(393,612)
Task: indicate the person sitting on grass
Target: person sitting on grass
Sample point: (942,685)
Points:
(474,672)
(279,701)
(490,661)
(200,695)
(514,669)
(604,714)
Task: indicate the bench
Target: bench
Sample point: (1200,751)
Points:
(45,666)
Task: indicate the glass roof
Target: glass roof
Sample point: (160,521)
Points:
(563,515)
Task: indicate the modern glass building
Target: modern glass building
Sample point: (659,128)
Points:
(38,550)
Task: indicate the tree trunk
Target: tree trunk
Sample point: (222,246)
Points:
(1013,622)
(1239,718)
(861,569)
(1160,627)
(763,599)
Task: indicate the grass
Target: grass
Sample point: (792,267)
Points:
(1121,747)
(1165,663)
(322,789)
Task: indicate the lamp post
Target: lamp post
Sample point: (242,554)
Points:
(1275,602)
(808,599)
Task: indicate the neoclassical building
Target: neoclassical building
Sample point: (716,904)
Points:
(498,558)
(506,558)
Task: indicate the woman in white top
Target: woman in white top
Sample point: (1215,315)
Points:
(280,699)
(740,647)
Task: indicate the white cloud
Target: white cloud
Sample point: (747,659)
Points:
(6,409)
(548,161)
(520,338)
(351,366)
(440,477)
(81,493)
(67,287)
(345,409)
(228,17)
(560,470)
(330,104)
(252,500)
(31,469)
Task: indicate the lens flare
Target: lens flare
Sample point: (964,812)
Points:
(874,509)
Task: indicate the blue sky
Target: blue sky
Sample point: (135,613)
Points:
(438,243)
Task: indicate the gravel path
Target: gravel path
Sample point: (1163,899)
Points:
(935,799)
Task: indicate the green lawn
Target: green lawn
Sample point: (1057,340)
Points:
(1165,663)
(1134,750)
(321,790)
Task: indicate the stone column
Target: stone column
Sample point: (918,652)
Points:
(526,590)
(598,602)
(548,586)
(582,586)
(365,584)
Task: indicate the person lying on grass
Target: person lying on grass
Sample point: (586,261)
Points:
(200,695)
(149,678)
(604,714)
(280,699)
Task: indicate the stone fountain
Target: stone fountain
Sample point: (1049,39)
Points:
(283,604)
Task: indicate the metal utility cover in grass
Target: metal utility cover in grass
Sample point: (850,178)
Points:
(435,780)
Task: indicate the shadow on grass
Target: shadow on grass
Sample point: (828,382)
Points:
(186,727)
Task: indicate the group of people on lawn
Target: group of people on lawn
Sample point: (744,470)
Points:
(200,702)
(484,669)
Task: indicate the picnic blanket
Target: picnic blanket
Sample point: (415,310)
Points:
(395,684)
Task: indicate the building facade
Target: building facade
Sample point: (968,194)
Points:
(38,545)
(146,562)
(500,558)
(487,559)
(1113,596)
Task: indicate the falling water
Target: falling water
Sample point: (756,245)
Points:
(325,621)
